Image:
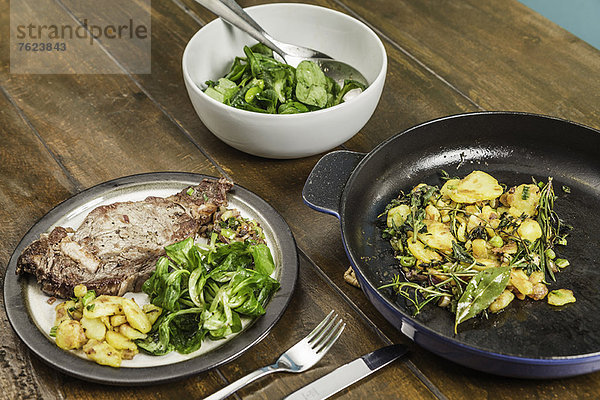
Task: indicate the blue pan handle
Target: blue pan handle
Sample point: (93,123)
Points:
(325,184)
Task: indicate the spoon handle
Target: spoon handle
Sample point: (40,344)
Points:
(231,12)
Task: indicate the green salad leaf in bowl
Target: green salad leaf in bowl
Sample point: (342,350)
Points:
(260,83)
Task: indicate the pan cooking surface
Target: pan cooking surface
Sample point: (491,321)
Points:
(513,148)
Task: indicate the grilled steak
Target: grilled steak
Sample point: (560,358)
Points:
(116,247)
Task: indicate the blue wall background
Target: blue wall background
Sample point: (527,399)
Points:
(580,17)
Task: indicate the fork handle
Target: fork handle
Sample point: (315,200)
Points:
(231,12)
(243,381)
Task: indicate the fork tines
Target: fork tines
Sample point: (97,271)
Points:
(326,333)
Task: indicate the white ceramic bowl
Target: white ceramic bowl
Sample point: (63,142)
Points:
(210,52)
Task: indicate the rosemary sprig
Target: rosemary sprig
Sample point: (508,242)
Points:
(551,225)
(420,296)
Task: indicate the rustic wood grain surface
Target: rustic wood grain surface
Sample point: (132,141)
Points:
(63,133)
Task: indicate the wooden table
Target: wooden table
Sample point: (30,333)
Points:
(61,134)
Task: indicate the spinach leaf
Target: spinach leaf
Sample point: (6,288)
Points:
(262,49)
(311,84)
(268,99)
(292,107)
(480,292)
(259,83)
(254,61)
(281,79)
(239,67)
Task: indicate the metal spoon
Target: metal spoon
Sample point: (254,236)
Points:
(291,54)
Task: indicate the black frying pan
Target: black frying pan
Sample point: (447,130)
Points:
(529,339)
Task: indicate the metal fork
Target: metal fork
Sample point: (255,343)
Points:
(298,358)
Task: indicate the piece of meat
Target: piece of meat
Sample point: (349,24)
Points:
(117,245)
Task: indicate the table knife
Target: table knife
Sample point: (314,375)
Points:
(348,374)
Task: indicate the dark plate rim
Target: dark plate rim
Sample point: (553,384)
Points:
(28,332)
(406,318)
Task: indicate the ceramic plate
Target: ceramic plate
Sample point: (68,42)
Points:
(32,317)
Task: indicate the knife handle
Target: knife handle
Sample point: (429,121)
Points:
(240,383)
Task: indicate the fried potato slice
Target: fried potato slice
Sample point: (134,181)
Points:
(94,328)
(152,312)
(63,312)
(102,353)
(522,199)
(117,320)
(103,306)
(118,341)
(421,253)
(438,236)
(397,216)
(561,297)
(475,187)
(520,280)
(136,317)
(502,301)
(529,230)
(70,335)
(131,333)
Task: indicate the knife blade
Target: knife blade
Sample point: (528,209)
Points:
(348,374)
